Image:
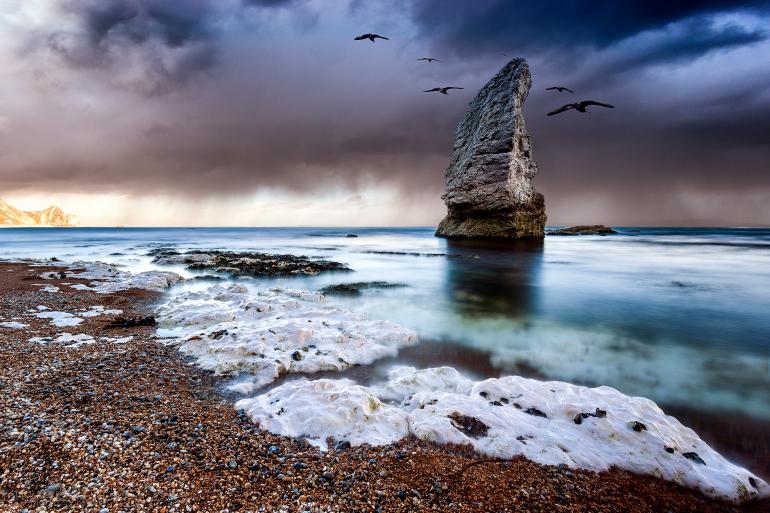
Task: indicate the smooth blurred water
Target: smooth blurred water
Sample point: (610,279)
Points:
(679,315)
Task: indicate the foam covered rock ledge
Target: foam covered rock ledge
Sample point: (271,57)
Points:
(548,422)
(274,332)
(489,191)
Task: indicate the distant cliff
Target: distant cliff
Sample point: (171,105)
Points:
(489,191)
(51,216)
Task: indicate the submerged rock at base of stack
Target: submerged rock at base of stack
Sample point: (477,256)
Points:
(489,191)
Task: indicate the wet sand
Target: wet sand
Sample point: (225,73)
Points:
(134,427)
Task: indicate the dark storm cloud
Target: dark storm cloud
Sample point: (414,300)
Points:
(175,38)
(503,25)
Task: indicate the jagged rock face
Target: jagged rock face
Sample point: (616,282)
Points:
(489,191)
(51,216)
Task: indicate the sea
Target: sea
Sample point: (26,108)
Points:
(677,315)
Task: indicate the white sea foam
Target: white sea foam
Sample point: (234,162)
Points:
(274,332)
(117,340)
(328,407)
(535,419)
(97,310)
(13,325)
(106,278)
(47,288)
(66,339)
(59,319)
(64,319)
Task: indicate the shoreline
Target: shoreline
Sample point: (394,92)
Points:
(87,430)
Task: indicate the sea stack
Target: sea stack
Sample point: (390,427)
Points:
(489,191)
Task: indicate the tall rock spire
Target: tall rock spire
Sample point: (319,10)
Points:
(489,191)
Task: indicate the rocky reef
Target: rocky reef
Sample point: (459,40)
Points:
(239,264)
(51,216)
(489,191)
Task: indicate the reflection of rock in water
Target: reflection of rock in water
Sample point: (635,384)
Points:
(493,277)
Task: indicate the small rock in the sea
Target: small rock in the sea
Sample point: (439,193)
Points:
(355,289)
(535,412)
(342,445)
(470,425)
(133,322)
(638,426)
(599,414)
(351,235)
(296,356)
(596,229)
(693,456)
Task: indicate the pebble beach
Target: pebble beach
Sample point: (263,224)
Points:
(122,422)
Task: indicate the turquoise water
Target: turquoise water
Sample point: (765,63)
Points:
(679,315)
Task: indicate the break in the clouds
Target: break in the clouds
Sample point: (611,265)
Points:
(205,99)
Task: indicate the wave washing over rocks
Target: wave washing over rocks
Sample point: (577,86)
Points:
(274,332)
(549,422)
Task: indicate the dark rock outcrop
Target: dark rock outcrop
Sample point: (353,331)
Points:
(354,289)
(489,191)
(595,229)
(239,264)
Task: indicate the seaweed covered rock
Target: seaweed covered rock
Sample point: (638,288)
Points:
(247,263)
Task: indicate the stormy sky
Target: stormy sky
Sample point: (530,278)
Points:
(266,112)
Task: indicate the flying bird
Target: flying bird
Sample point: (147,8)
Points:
(429,59)
(442,90)
(580,106)
(561,89)
(370,37)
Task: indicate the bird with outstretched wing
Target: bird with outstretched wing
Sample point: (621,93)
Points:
(442,90)
(580,106)
(370,37)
